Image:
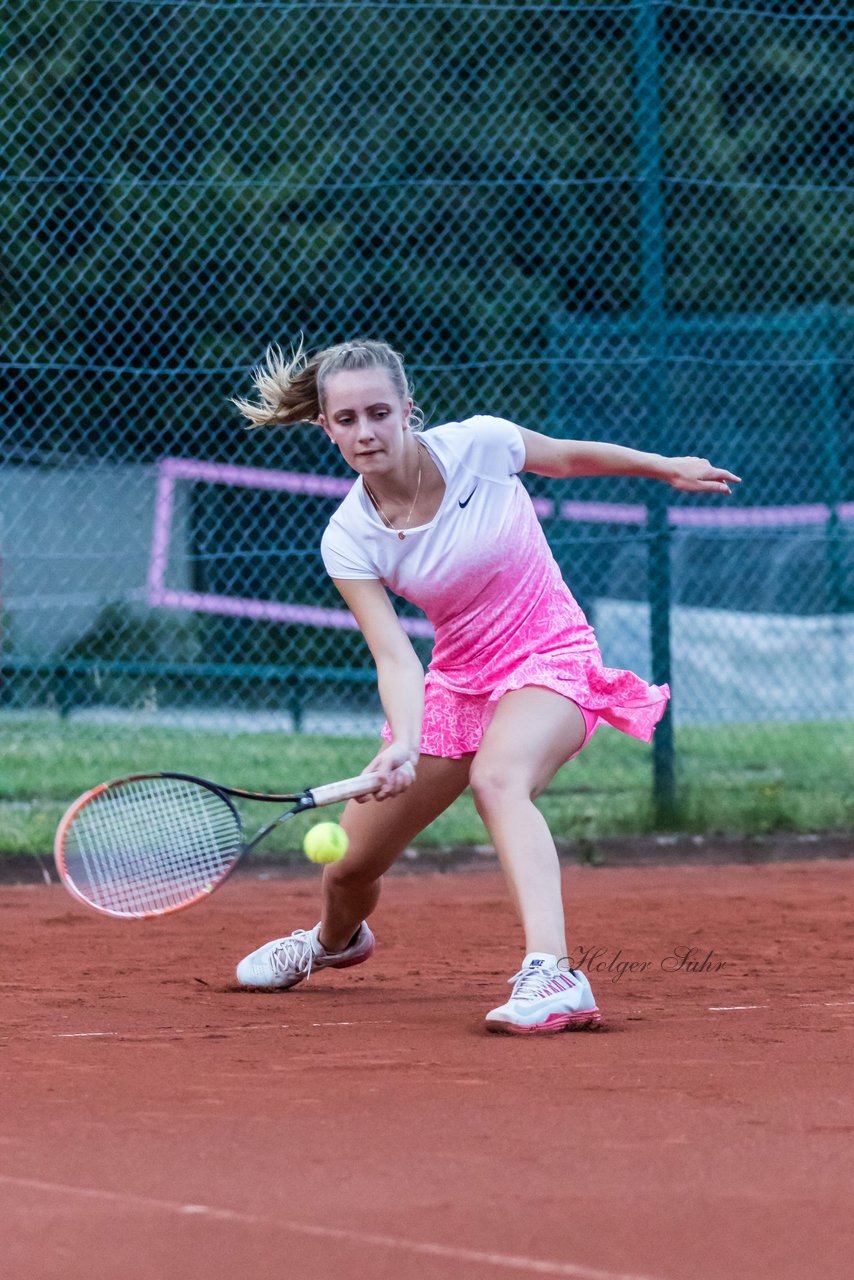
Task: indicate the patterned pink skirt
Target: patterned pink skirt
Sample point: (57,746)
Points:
(454,721)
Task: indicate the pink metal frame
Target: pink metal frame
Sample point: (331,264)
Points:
(171,469)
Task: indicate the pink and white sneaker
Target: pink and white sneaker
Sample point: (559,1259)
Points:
(546,998)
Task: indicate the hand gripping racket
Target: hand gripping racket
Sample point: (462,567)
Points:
(154,843)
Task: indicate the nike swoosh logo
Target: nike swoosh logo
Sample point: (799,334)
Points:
(468,499)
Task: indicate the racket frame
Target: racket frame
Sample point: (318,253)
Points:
(301,802)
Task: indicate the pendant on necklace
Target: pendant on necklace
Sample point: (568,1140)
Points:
(401,536)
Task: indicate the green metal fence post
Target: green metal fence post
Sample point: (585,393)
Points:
(834,467)
(834,470)
(654,339)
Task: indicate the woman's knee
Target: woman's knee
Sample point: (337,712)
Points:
(351,873)
(494,785)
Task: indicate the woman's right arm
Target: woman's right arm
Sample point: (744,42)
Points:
(400,679)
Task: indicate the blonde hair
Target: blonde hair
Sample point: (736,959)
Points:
(292,389)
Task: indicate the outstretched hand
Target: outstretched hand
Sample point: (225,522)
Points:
(697,475)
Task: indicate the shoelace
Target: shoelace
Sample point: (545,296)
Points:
(530,981)
(294,952)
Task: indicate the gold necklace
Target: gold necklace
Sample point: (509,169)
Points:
(400,533)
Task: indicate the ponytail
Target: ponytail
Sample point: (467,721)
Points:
(291,390)
(287,389)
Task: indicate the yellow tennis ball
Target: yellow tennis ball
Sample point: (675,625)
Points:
(325,842)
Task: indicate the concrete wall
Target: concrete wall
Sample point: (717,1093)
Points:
(72,541)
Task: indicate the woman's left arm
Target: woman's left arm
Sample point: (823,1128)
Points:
(547,456)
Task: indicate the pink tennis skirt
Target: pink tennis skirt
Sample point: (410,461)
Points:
(455,721)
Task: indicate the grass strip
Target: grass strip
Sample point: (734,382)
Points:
(732,779)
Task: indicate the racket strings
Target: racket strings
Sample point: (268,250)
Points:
(151,844)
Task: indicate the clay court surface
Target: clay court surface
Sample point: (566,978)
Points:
(160,1122)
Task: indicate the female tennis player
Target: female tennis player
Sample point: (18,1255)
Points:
(516,685)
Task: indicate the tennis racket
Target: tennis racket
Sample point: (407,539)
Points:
(157,842)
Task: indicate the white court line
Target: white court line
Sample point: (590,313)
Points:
(731,1008)
(213,1032)
(805,1004)
(198,1032)
(78,1035)
(426,1248)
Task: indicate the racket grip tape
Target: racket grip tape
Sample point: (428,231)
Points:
(332,792)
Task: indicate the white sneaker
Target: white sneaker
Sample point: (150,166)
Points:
(546,998)
(286,961)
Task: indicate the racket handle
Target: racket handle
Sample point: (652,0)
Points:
(332,792)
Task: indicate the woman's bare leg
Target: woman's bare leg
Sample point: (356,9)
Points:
(533,732)
(379,831)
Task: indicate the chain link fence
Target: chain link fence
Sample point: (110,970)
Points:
(623,221)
